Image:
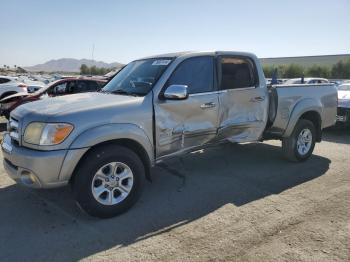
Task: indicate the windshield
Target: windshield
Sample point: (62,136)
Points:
(138,77)
(344,88)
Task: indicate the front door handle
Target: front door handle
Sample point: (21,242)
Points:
(257,99)
(208,105)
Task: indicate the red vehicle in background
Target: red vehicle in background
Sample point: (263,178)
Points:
(58,88)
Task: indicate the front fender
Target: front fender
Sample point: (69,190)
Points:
(303,106)
(108,132)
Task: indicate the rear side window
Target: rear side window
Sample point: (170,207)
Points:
(81,87)
(237,72)
(93,86)
(197,73)
(4,80)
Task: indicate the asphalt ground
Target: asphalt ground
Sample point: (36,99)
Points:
(226,203)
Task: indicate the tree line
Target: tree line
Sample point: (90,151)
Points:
(93,70)
(340,70)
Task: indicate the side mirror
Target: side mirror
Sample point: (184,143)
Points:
(176,92)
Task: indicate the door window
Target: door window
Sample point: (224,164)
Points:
(197,73)
(236,73)
(92,86)
(59,89)
(84,86)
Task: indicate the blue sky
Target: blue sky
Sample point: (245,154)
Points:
(34,31)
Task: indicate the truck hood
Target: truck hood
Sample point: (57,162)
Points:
(73,104)
(344,98)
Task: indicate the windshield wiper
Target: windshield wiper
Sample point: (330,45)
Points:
(123,92)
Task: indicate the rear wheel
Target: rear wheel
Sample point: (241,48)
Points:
(300,145)
(108,181)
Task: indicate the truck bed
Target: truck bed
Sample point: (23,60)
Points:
(285,101)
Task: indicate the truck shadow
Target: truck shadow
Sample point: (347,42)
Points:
(182,191)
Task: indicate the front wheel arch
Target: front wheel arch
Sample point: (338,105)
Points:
(128,143)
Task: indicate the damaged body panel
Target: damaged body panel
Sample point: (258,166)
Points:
(243,114)
(186,123)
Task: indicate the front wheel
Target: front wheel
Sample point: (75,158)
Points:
(108,181)
(300,145)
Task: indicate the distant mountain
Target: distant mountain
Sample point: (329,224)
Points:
(69,65)
(306,61)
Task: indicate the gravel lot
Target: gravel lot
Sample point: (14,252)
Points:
(231,202)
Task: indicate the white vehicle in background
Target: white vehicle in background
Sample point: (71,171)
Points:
(35,87)
(307,80)
(343,112)
(11,85)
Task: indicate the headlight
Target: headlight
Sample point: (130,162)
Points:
(47,134)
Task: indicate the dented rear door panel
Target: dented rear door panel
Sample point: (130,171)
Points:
(243,114)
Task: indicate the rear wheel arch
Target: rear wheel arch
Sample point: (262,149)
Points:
(315,118)
(309,109)
(297,147)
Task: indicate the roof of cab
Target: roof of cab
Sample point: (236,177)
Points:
(189,53)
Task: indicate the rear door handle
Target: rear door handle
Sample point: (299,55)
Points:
(257,99)
(208,105)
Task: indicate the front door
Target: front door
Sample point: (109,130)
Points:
(243,100)
(185,124)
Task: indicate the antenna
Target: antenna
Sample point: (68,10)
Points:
(92,57)
(93,49)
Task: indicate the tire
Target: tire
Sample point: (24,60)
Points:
(107,160)
(290,147)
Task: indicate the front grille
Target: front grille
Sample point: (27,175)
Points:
(14,130)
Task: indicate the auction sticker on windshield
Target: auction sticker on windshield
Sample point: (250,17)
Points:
(161,62)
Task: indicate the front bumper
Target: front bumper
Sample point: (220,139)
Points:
(38,169)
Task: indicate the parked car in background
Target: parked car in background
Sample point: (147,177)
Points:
(343,113)
(105,143)
(269,80)
(11,85)
(307,80)
(33,87)
(58,88)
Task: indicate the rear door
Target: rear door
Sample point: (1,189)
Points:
(184,124)
(243,100)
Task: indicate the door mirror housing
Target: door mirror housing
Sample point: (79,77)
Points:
(176,92)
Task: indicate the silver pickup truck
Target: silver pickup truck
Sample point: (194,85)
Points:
(103,144)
